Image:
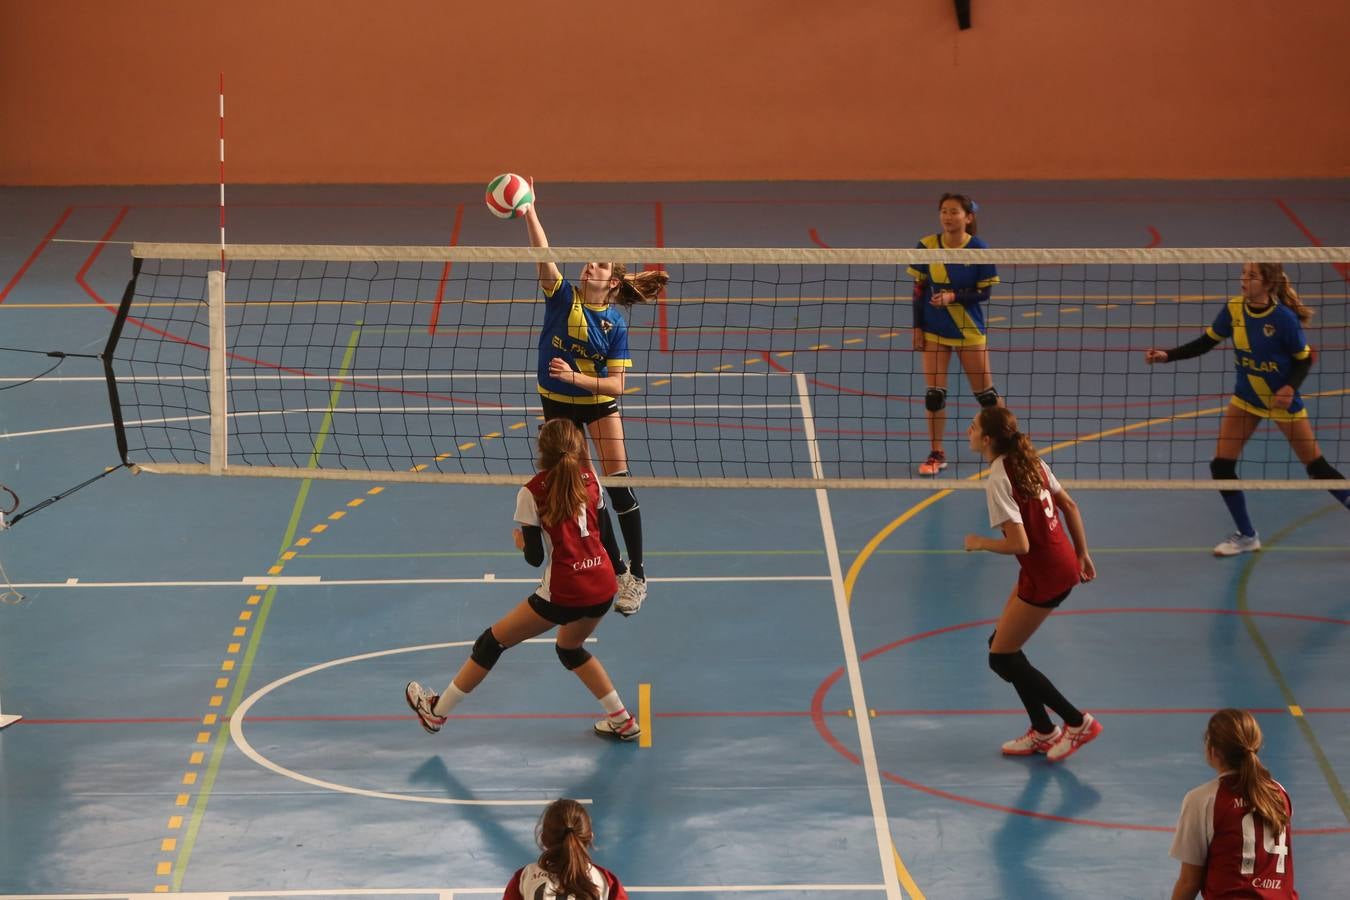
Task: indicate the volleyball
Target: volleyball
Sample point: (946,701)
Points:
(507,195)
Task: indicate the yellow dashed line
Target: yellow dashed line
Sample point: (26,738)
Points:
(854,341)
(162,888)
(246,615)
(375,490)
(998,319)
(222,683)
(175,822)
(469,446)
(1069,309)
(1296,710)
(492,434)
(318,529)
(253,601)
(196,758)
(203,737)
(1107,305)
(662,382)
(356,501)
(275,570)
(1034,314)
(181,800)
(288,555)
(334,516)
(1147,302)
(784,353)
(209,719)
(303,542)
(240,631)
(722,368)
(422,466)
(217,700)
(227,665)
(889,334)
(819,347)
(168,845)
(752,360)
(232,648)
(163,868)
(518,425)
(632,390)
(189,778)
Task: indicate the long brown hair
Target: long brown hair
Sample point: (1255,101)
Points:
(1235,738)
(562,453)
(1020,459)
(967,204)
(564,833)
(1277,282)
(642,287)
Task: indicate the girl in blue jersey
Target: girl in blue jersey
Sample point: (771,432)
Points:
(1272,358)
(583,354)
(949,316)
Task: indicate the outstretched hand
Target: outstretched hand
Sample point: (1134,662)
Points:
(1155,356)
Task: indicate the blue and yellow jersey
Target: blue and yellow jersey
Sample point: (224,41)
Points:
(1265,345)
(960,324)
(594,339)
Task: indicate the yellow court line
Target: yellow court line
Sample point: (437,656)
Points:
(645,715)
(906,880)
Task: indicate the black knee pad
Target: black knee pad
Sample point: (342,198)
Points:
(935,399)
(987,397)
(486,650)
(1223,469)
(1009,666)
(622,499)
(574,658)
(1320,468)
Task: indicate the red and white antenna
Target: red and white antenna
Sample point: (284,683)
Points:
(222,171)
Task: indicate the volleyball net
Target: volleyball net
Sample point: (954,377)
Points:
(757,367)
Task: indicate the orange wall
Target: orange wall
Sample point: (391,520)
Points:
(423,91)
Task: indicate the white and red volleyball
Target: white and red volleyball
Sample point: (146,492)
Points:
(507,196)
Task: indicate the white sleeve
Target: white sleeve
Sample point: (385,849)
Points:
(1195,825)
(998,492)
(1051,482)
(527,513)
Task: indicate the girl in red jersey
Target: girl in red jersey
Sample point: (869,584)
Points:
(561,517)
(1233,833)
(1024,498)
(564,869)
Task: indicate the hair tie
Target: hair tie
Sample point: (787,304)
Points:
(974,207)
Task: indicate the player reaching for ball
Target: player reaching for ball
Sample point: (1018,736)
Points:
(1272,358)
(1024,501)
(583,355)
(562,525)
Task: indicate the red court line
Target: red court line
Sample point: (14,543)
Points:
(1343,268)
(37,251)
(445,273)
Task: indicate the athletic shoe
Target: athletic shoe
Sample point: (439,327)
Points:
(935,463)
(1032,742)
(630,732)
(423,702)
(1236,543)
(632,591)
(1072,740)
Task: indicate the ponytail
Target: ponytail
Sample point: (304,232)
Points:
(1277,282)
(1020,459)
(643,287)
(564,833)
(1235,739)
(562,449)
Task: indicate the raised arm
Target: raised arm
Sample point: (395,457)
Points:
(549,276)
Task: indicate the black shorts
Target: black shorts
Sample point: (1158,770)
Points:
(579,414)
(563,615)
(1052,603)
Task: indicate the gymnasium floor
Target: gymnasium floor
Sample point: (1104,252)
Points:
(155,605)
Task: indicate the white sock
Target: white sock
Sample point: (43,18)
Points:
(449,699)
(620,718)
(612,704)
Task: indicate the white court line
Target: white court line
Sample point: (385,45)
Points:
(449,893)
(880,820)
(319,581)
(400,376)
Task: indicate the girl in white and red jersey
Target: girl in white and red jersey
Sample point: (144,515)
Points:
(564,870)
(1024,501)
(561,518)
(1233,834)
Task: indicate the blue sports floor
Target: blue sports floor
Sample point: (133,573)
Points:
(210,671)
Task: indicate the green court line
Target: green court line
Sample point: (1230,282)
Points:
(255,636)
(1329,773)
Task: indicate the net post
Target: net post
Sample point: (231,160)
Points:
(219,397)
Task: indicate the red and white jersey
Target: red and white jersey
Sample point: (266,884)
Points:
(1050,567)
(533,883)
(1242,858)
(578,571)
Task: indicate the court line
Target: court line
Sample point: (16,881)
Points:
(318,581)
(871,770)
(37,251)
(449,893)
(1286,691)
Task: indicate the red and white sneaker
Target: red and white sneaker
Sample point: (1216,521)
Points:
(423,702)
(1032,742)
(935,463)
(1073,739)
(628,731)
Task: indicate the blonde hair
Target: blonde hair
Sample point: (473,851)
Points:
(564,834)
(1274,278)
(1235,739)
(562,454)
(1020,459)
(642,287)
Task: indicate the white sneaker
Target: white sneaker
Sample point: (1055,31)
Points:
(423,702)
(935,463)
(632,591)
(606,728)
(1032,742)
(1236,543)
(1073,739)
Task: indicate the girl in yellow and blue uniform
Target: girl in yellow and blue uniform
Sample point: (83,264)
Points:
(949,303)
(1272,358)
